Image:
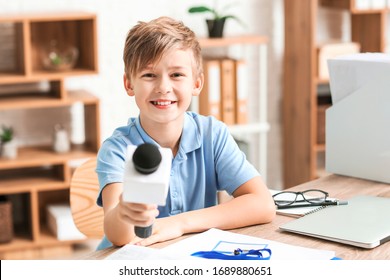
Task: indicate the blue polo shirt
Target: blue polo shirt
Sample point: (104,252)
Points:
(208,160)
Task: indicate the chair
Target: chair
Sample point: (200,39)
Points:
(84,188)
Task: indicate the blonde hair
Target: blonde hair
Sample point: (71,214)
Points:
(146,42)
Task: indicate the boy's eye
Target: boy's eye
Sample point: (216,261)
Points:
(177,75)
(148,75)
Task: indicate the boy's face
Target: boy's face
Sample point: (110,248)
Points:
(163,90)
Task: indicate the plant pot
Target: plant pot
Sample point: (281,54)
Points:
(9,149)
(215,27)
(6,224)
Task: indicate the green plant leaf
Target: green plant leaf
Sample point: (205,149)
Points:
(203,9)
(234,17)
(216,15)
(200,9)
(6,134)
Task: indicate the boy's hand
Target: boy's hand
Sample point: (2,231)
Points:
(163,229)
(137,214)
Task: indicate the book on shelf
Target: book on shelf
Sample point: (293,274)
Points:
(225,91)
(210,96)
(228,90)
(241,92)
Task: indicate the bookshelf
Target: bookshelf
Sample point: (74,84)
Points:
(303,154)
(260,125)
(38,176)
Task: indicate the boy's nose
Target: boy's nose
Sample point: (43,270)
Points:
(164,86)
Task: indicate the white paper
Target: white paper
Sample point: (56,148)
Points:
(348,73)
(213,238)
(133,252)
(358,134)
(61,224)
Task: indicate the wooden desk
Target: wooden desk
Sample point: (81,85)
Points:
(337,186)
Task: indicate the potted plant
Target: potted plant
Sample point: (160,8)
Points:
(8,143)
(216,23)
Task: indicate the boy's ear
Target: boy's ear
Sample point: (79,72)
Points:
(198,85)
(128,86)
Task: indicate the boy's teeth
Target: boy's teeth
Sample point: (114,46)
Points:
(162,103)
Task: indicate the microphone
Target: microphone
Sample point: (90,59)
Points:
(146,178)
(146,158)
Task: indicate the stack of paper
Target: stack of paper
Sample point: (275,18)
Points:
(61,224)
(357,125)
(348,73)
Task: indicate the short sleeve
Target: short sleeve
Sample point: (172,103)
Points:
(110,164)
(232,167)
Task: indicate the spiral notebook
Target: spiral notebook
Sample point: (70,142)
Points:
(364,222)
(297,212)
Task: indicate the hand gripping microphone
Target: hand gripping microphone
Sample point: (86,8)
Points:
(146,178)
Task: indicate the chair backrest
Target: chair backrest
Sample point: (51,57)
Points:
(84,188)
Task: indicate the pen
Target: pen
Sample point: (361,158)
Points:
(326,203)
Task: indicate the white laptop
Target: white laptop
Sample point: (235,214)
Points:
(364,222)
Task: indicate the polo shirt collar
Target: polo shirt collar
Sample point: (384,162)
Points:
(190,139)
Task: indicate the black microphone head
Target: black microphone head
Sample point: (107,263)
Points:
(146,158)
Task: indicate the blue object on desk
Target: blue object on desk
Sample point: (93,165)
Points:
(238,254)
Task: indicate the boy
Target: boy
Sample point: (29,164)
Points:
(163,70)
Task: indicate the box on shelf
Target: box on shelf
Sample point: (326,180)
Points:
(61,224)
(6,224)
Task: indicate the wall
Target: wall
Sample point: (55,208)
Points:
(115,17)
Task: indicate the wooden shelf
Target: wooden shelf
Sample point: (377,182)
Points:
(24,184)
(38,176)
(300,96)
(350,5)
(320,148)
(229,41)
(36,156)
(249,128)
(24,242)
(30,101)
(33,35)
(43,17)
(260,124)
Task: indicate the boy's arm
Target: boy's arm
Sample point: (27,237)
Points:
(252,204)
(120,217)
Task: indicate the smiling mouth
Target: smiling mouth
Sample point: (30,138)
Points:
(162,103)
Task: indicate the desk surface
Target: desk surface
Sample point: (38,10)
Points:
(337,186)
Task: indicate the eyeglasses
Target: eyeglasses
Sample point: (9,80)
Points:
(312,196)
